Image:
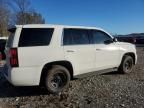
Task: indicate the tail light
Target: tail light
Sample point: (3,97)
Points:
(14,57)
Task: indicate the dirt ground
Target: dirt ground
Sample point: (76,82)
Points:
(110,90)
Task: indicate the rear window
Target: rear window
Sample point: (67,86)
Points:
(35,37)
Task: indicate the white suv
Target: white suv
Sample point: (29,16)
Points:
(52,55)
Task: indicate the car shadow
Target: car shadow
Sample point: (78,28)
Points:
(112,73)
(7,90)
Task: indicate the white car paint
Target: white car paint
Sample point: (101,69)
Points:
(107,56)
(84,58)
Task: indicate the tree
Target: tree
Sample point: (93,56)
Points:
(21,5)
(4,18)
(29,18)
(26,15)
(17,12)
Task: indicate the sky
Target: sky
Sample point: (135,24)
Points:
(115,16)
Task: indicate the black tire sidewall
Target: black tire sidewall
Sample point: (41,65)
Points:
(56,69)
(122,67)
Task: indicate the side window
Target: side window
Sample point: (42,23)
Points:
(67,39)
(35,37)
(99,37)
(75,37)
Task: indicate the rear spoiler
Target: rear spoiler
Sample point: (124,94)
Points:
(11,28)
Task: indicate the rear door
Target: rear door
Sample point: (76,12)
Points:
(78,50)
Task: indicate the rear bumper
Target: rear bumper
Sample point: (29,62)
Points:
(22,76)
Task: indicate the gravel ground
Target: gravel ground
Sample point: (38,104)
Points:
(110,90)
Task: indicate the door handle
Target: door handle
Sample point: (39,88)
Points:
(98,49)
(70,51)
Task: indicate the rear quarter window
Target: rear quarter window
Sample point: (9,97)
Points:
(35,37)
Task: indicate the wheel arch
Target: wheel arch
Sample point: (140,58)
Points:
(48,66)
(130,54)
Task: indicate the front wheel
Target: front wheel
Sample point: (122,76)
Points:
(57,79)
(127,64)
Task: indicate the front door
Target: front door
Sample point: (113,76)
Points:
(106,51)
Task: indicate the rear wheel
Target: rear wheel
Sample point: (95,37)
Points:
(127,64)
(57,79)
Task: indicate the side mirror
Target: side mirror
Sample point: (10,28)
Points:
(115,39)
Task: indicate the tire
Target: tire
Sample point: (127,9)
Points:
(57,79)
(126,65)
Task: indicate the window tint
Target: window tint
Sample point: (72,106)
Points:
(75,37)
(99,37)
(35,37)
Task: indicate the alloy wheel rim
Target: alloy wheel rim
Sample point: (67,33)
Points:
(58,80)
(128,65)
